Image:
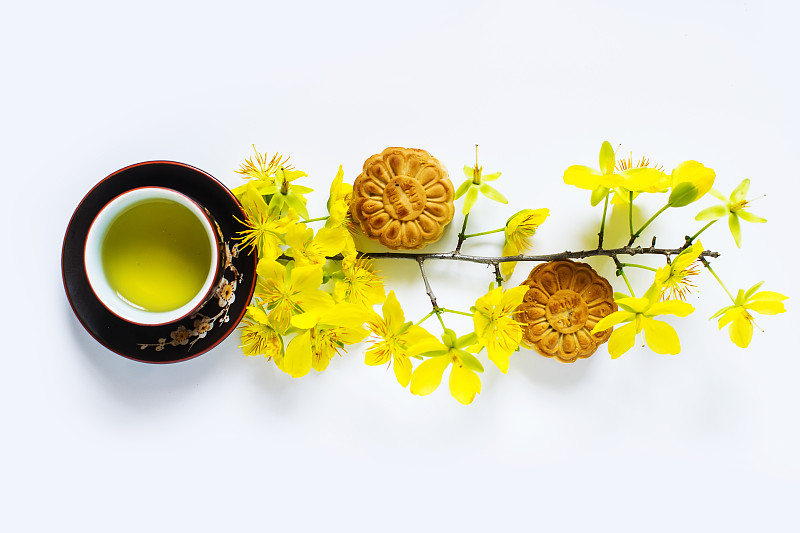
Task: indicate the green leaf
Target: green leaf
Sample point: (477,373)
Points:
(684,194)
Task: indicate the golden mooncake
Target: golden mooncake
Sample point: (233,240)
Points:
(564,301)
(403,198)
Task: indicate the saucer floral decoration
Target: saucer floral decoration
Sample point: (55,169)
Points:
(318,294)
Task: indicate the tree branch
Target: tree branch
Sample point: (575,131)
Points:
(491,260)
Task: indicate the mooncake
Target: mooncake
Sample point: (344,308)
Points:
(564,301)
(403,198)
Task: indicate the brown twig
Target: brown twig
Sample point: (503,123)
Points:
(427,285)
(492,260)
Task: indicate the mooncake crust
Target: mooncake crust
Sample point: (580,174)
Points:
(403,198)
(564,301)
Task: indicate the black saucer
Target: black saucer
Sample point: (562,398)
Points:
(185,338)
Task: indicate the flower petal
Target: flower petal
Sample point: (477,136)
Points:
(492,193)
(306,278)
(740,192)
(607,160)
(714,212)
(582,177)
(428,375)
(464,384)
(670,307)
(393,313)
(621,340)
(750,217)
(661,337)
(463,188)
(378,354)
(297,361)
(402,369)
(612,320)
(733,224)
(507,267)
(469,199)
(741,331)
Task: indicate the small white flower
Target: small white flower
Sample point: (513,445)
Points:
(226,292)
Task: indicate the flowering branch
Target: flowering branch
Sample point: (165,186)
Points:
(492,260)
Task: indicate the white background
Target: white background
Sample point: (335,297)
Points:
(705,440)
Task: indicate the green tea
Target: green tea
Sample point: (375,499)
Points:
(156,255)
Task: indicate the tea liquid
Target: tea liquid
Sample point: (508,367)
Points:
(156,255)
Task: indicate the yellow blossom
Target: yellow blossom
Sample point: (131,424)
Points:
(600,182)
(738,316)
(260,172)
(359,285)
(674,277)
(638,313)
(733,207)
(309,249)
(464,381)
(690,181)
(283,194)
(399,340)
(519,229)
(290,290)
(258,337)
(496,330)
(265,227)
(654,181)
(341,196)
(324,333)
(476,183)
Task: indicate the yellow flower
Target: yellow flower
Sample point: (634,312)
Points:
(674,277)
(290,290)
(258,337)
(464,382)
(476,183)
(654,180)
(339,215)
(339,201)
(734,208)
(738,315)
(358,284)
(497,331)
(326,332)
(284,194)
(600,182)
(261,172)
(690,181)
(310,249)
(265,227)
(400,340)
(639,313)
(519,229)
